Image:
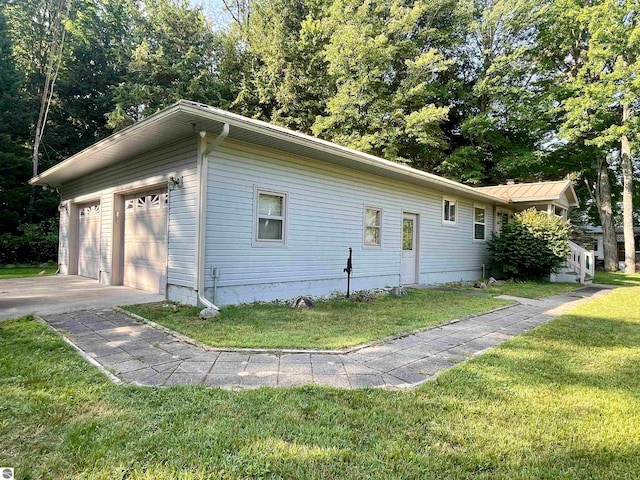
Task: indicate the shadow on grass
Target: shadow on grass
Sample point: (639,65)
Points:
(527,409)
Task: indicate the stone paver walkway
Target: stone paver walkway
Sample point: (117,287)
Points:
(139,354)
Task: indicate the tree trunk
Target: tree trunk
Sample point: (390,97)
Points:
(627,197)
(605,209)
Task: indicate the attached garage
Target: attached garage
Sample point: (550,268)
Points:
(89,217)
(145,241)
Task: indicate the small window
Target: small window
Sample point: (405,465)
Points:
(372,226)
(154,200)
(141,202)
(449,211)
(129,204)
(559,211)
(479,223)
(407,234)
(270,217)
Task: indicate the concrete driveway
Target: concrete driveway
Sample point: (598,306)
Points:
(62,294)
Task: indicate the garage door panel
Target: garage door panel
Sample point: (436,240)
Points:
(89,218)
(145,241)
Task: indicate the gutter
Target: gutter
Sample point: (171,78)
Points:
(201,226)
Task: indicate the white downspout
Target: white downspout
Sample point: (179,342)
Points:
(201,225)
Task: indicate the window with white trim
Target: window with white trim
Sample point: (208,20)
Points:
(270,216)
(449,213)
(479,223)
(372,226)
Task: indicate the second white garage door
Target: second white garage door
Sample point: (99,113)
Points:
(145,241)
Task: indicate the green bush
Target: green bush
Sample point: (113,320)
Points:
(531,245)
(38,243)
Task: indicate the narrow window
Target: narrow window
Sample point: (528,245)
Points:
(270,217)
(372,226)
(141,202)
(479,223)
(449,211)
(154,200)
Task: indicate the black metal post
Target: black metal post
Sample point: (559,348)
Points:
(348,270)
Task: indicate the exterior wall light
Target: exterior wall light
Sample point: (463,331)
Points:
(175,182)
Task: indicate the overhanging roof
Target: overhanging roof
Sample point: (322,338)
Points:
(534,192)
(177,122)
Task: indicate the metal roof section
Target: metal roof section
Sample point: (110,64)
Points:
(533,192)
(185,119)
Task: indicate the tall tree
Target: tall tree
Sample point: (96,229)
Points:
(14,135)
(389,61)
(604,91)
(285,79)
(499,122)
(175,57)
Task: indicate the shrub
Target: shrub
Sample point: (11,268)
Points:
(531,245)
(38,243)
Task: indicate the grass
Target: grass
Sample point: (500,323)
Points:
(331,324)
(525,288)
(560,402)
(532,288)
(620,279)
(19,272)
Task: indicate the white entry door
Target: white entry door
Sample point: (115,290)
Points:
(145,241)
(89,240)
(409,264)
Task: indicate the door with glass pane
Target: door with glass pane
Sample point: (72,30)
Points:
(409,264)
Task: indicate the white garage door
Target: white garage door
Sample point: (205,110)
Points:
(89,240)
(145,241)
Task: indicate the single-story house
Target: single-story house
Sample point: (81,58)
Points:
(208,206)
(598,241)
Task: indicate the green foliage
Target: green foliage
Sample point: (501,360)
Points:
(390,63)
(531,245)
(33,243)
(175,55)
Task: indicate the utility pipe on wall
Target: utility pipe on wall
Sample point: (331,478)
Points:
(203,168)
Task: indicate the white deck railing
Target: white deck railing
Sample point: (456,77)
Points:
(581,261)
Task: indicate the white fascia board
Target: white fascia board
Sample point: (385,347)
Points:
(205,112)
(345,152)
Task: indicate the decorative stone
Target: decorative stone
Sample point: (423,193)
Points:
(42,273)
(397,291)
(362,296)
(209,312)
(302,302)
(492,281)
(481,285)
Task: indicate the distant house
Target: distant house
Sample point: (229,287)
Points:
(598,239)
(208,206)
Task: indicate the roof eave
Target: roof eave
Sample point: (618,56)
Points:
(237,121)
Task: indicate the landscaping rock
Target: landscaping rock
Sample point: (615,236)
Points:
(492,281)
(480,285)
(42,273)
(397,291)
(362,296)
(209,312)
(302,302)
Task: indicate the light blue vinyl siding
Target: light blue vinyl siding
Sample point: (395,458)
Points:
(153,167)
(325,214)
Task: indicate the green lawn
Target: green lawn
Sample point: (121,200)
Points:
(532,288)
(330,324)
(560,402)
(620,279)
(19,272)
